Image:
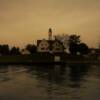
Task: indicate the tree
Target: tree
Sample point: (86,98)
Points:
(68,40)
(15,51)
(73,42)
(74,39)
(73,48)
(4,49)
(63,38)
(83,49)
(31,48)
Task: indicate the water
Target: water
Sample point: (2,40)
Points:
(50,82)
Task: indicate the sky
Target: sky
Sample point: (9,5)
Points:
(26,21)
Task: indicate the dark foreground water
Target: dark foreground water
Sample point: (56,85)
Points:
(50,82)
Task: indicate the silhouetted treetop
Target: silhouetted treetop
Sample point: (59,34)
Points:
(31,48)
(74,39)
(83,49)
(15,51)
(4,49)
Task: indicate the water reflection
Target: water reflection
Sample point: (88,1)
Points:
(55,74)
(72,82)
(77,74)
(8,72)
(60,74)
(58,80)
(4,74)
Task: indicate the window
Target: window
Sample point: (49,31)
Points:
(42,48)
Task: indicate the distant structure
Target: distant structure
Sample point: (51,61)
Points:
(50,34)
(50,45)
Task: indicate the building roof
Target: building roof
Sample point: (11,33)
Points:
(51,42)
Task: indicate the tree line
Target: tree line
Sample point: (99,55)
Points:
(6,50)
(74,44)
(71,42)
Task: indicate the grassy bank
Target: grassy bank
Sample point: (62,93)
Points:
(45,58)
(26,59)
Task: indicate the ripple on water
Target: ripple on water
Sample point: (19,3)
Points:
(50,82)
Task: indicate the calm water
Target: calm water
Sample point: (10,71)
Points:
(50,82)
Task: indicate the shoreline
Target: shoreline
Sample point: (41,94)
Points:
(47,59)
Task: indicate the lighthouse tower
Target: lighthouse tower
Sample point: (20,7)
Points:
(50,34)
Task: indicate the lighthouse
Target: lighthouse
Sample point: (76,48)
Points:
(50,34)
(50,45)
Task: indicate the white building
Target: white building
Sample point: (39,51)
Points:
(52,46)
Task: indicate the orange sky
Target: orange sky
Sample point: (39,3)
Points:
(25,21)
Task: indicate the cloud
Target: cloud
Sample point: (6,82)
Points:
(20,18)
